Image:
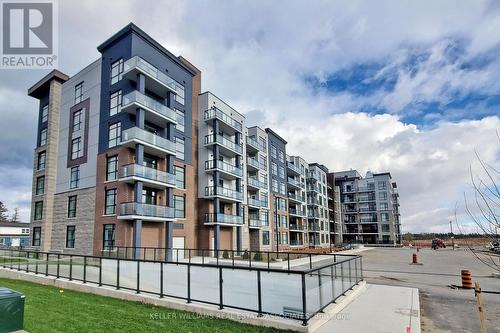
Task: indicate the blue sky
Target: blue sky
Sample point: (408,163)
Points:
(409,87)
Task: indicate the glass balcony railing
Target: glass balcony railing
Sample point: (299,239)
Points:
(137,134)
(252,142)
(219,139)
(146,210)
(256,202)
(257,183)
(218,114)
(212,191)
(294,182)
(296,242)
(254,221)
(214,218)
(295,211)
(148,103)
(136,170)
(297,227)
(293,167)
(150,70)
(253,162)
(224,166)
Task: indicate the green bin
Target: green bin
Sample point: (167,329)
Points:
(11,310)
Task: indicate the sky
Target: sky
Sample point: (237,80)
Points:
(409,87)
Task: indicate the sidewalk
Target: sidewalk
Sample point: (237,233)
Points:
(380,309)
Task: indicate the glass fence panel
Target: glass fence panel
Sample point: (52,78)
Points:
(205,284)
(240,288)
(109,268)
(313,303)
(128,274)
(149,280)
(92,274)
(282,293)
(175,280)
(52,264)
(77,268)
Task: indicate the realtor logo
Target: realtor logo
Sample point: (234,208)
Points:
(29,34)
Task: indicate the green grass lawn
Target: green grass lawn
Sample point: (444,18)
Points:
(47,309)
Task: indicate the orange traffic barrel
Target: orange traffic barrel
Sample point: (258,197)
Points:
(466,279)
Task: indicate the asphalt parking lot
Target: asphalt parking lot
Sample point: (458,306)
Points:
(443,308)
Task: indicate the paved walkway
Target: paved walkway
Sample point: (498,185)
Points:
(380,309)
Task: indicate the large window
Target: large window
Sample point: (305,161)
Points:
(70,236)
(77,120)
(386,228)
(110,204)
(115,103)
(76,148)
(179,148)
(282,156)
(114,135)
(180,206)
(74,177)
(384,217)
(281,172)
(274,152)
(284,222)
(274,185)
(274,168)
(43,137)
(40,160)
(79,92)
(265,237)
(284,238)
(382,195)
(384,206)
(283,204)
(38,210)
(112,168)
(179,89)
(45,113)
(116,71)
(108,237)
(72,206)
(37,236)
(382,185)
(40,185)
(181,120)
(282,188)
(180,177)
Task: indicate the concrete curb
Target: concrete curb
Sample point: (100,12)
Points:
(240,316)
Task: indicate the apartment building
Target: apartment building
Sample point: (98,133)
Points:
(297,200)
(115,160)
(370,207)
(317,206)
(334,211)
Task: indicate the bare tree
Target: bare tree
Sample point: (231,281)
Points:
(3,212)
(15,216)
(483,208)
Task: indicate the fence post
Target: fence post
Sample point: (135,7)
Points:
(203,256)
(84,269)
(138,275)
(268,259)
(18,261)
(288,260)
(350,273)
(356,269)
(36,264)
(233,257)
(304,304)
(177,259)
(189,254)
(27,261)
(361,266)
(47,265)
(118,274)
(58,258)
(310,261)
(70,267)
(259,293)
(161,279)
(319,287)
(220,290)
(250,258)
(100,272)
(189,283)
(333,283)
(342,276)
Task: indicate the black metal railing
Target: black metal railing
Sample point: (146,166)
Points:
(297,293)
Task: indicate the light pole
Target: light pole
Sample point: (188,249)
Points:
(452,238)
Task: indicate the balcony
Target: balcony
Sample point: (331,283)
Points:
(367,209)
(313,227)
(366,189)
(252,145)
(155,112)
(156,81)
(256,183)
(228,124)
(154,178)
(296,227)
(227,147)
(365,198)
(367,220)
(256,203)
(223,219)
(254,221)
(252,164)
(146,212)
(294,197)
(294,183)
(226,169)
(295,212)
(296,242)
(293,168)
(313,188)
(153,144)
(223,193)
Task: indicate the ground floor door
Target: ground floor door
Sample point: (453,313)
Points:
(178,244)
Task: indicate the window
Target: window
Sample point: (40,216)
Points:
(274,168)
(384,206)
(181,119)
(382,195)
(284,238)
(108,236)
(179,205)
(45,113)
(274,186)
(382,185)
(40,185)
(179,89)
(37,236)
(38,210)
(282,156)
(77,120)
(284,221)
(180,180)
(283,204)
(264,218)
(114,135)
(386,228)
(40,160)
(281,172)
(112,168)
(265,238)
(110,202)
(262,144)
(384,217)
(43,137)
(74,177)
(115,103)
(79,92)
(116,71)
(70,236)
(72,206)
(274,152)
(76,148)
(282,188)
(179,148)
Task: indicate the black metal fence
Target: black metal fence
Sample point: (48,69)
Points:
(292,293)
